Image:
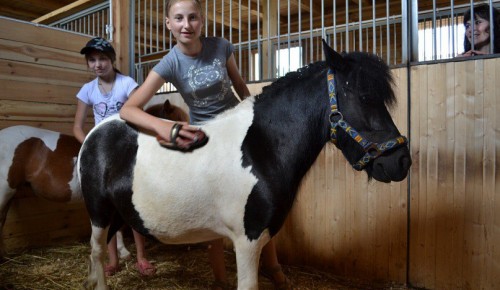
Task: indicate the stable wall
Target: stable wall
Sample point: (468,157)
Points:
(441,232)
(455,199)
(41,70)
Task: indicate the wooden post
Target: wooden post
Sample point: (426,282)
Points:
(121,38)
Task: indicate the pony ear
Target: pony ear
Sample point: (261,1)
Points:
(333,58)
(167,107)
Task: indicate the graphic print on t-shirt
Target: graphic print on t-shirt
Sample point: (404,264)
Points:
(208,81)
(105,110)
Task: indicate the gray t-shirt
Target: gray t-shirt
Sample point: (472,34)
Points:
(203,80)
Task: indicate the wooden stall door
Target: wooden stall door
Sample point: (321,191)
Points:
(455,203)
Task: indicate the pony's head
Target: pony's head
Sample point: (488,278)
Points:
(168,111)
(360,88)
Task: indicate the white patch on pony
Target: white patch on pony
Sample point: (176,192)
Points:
(74,184)
(96,278)
(200,195)
(10,138)
(247,259)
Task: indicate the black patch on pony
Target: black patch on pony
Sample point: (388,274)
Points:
(287,106)
(107,162)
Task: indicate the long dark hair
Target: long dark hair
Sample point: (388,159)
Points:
(483,11)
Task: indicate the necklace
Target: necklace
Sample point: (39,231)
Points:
(104,89)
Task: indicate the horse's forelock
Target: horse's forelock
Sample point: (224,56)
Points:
(372,73)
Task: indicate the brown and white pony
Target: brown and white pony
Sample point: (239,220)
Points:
(43,162)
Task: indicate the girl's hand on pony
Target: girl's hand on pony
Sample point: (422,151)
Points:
(180,136)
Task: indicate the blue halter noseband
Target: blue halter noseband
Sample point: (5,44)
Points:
(372,150)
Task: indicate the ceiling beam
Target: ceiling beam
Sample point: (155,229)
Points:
(66,10)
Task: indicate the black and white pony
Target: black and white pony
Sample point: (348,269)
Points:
(243,182)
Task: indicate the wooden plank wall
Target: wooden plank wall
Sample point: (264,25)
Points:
(41,70)
(455,201)
(347,226)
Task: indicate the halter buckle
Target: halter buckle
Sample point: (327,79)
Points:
(334,115)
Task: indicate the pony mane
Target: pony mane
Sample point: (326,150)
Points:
(366,72)
(291,78)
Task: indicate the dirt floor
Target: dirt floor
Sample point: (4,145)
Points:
(178,267)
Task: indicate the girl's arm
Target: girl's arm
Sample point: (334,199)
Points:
(132,111)
(234,74)
(80,117)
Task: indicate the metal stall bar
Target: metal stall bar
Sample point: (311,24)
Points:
(434,29)
(231,22)
(139,50)
(157,28)
(164,26)
(206,18)
(347,25)
(259,42)
(473,24)
(323,35)
(492,28)
(360,20)
(387,31)
(300,30)
(374,29)
(288,34)
(144,48)
(214,21)
(151,27)
(131,44)
(239,34)
(335,24)
(452,25)
(268,39)
(249,48)
(222,20)
(311,28)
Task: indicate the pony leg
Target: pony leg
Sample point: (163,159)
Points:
(247,260)
(123,253)
(96,279)
(5,201)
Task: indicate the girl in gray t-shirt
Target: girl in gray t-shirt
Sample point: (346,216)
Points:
(203,70)
(202,80)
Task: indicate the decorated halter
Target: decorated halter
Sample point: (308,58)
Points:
(372,149)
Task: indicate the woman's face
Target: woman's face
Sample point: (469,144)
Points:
(100,64)
(185,21)
(481,32)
